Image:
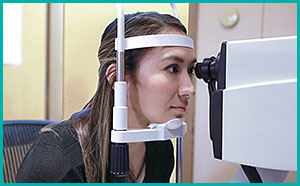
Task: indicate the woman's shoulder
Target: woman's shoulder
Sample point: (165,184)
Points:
(63,131)
(59,133)
(63,138)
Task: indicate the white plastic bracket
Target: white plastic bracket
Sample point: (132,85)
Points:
(155,132)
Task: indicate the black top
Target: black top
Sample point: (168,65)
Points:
(56,157)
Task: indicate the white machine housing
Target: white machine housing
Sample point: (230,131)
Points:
(260,103)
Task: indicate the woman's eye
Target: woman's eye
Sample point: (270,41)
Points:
(173,68)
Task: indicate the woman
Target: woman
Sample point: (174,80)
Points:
(158,88)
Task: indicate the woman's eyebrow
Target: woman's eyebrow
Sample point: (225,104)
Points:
(175,58)
(178,59)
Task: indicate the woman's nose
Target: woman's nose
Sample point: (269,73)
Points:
(186,87)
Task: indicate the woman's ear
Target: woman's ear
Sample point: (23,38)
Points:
(111,74)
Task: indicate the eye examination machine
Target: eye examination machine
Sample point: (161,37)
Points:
(252,88)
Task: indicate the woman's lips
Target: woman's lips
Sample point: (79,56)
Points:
(179,109)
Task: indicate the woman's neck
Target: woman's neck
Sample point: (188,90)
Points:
(135,122)
(137,153)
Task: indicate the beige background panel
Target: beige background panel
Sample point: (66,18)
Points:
(280,19)
(24,86)
(84,25)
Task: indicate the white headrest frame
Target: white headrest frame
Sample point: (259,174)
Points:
(155,41)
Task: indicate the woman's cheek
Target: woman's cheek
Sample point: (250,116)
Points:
(160,83)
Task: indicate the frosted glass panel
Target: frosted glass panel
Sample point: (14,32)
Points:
(12,33)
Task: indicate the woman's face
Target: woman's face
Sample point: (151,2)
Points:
(163,85)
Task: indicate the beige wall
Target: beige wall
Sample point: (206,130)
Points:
(24,86)
(256,21)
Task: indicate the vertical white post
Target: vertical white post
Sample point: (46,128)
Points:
(120,108)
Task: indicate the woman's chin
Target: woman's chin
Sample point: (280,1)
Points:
(179,116)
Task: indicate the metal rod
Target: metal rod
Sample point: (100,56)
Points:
(120,66)
(179,160)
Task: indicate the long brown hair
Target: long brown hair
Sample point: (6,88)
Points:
(94,130)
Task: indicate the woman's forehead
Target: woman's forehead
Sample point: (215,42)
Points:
(172,31)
